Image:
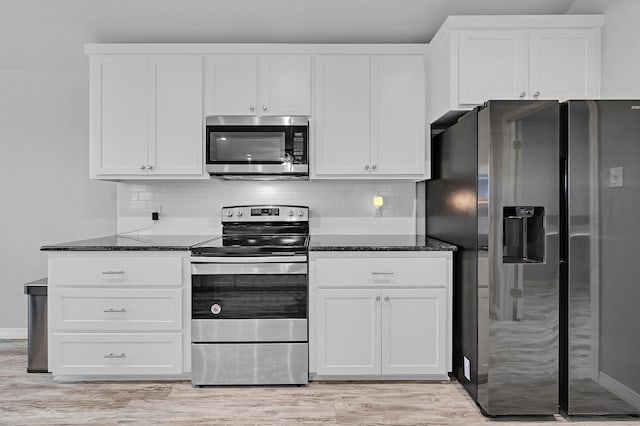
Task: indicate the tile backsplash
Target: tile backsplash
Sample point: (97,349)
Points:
(336,206)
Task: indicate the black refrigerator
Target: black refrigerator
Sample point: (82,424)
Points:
(541,197)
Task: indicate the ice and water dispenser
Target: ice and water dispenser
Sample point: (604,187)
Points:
(523,234)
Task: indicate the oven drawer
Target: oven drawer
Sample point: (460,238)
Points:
(346,271)
(91,309)
(115,271)
(117,354)
(249,330)
(249,364)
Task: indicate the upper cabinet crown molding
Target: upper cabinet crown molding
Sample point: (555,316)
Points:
(252,49)
(477,58)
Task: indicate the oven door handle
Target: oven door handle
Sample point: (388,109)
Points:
(248,268)
(248,259)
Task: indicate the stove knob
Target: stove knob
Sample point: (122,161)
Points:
(215,309)
(291,213)
(239,214)
(300,212)
(229,213)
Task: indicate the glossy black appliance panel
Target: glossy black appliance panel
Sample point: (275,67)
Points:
(263,296)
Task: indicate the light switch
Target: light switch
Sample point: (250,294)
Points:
(615,177)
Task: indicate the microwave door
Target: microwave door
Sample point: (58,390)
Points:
(246,147)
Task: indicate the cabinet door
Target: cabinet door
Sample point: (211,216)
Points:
(414,331)
(230,85)
(397,115)
(341,114)
(564,64)
(118,114)
(285,85)
(491,65)
(176,120)
(348,331)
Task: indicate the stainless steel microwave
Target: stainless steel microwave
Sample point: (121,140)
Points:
(257,147)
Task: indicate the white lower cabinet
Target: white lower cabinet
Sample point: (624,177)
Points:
(379,315)
(97,354)
(413,321)
(348,331)
(119,314)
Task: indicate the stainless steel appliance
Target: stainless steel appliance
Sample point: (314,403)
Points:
(600,291)
(540,198)
(257,147)
(250,299)
(494,193)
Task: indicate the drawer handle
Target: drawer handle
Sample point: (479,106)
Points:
(382,273)
(112,272)
(115,310)
(386,299)
(112,355)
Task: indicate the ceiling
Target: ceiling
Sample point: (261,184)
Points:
(30,29)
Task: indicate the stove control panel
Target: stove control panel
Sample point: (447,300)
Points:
(267,213)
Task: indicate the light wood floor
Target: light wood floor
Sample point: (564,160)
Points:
(34,399)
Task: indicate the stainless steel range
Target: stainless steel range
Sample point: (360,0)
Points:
(250,298)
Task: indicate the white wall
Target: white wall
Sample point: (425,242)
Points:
(620,45)
(45,193)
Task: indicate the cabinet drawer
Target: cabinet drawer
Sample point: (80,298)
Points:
(116,309)
(117,354)
(116,270)
(341,272)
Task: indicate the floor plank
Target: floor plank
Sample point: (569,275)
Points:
(35,399)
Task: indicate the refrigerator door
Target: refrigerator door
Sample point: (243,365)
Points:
(518,274)
(603,234)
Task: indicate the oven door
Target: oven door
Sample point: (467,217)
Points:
(249,302)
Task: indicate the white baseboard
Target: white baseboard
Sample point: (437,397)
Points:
(13,333)
(619,390)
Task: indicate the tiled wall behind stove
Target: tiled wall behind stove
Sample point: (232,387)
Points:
(349,199)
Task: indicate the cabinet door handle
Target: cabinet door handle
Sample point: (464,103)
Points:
(536,95)
(149,167)
(264,107)
(377,298)
(252,107)
(112,355)
(386,299)
(110,310)
(112,272)
(143,167)
(366,167)
(382,273)
(522,95)
(374,167)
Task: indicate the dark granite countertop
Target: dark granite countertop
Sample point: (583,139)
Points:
(377,243)
(132,242)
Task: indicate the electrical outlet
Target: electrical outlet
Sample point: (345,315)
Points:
(467,369)
(616,177)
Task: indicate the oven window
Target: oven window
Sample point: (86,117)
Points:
(249,296)
(247,147)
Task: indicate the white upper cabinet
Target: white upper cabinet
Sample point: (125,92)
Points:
(249,85)
(285,85)
(397,115)
(175,130)
(493,65)
(564,64)
(477,58)
(118,114)
(145,116)
(369,116)
(230,82)
(341,116)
